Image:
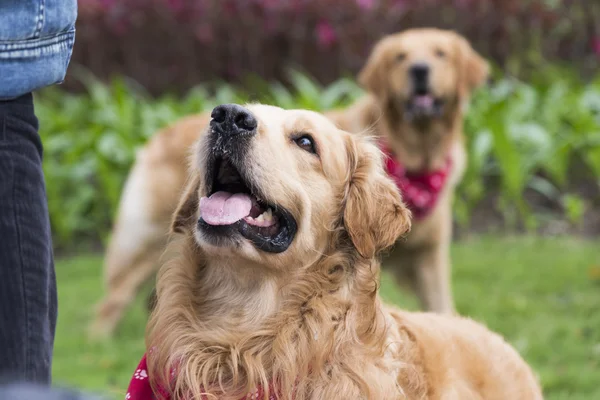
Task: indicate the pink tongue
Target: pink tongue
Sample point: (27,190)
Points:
(424,101)
(223,208)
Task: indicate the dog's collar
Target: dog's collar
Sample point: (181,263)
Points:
(420,190)
(140,388)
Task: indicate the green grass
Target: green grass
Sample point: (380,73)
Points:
(543,295)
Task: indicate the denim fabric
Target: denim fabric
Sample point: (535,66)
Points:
(27,281)
(32,392)
(36,42)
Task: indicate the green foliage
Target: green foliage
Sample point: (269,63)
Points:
(574,208)
(529,136)
(522,135)
(552,321)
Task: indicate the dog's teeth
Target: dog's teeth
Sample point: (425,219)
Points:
(268,215)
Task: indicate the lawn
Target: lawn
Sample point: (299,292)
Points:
(543,295)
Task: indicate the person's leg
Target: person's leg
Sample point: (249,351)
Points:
(35,392)
(28,303)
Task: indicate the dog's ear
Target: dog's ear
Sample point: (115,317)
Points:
(187,209)
(374,215)
(473,68)
(373,75)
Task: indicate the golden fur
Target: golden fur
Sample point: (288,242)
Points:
(420,144)
(142,223)
(158,176)
(310,319)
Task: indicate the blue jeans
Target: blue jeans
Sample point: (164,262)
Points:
(27,281)
(34,392)
(36,41)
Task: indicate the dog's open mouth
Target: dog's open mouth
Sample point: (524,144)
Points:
(232,206)
(424,105)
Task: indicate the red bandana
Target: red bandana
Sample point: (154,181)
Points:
(420,191)
(140,389)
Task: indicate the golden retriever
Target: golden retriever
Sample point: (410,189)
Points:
(419,83)
(271,278)
(419,116)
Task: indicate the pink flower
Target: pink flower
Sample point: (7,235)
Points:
(270,4)
(229,7)
(298,6)
(463,3)
(270,24)
(120,27)
(175,5)
(596,45)
(325,34)
(107,4)
(400,5)
(204,33)
(365,4)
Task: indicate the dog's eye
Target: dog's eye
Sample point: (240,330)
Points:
(440,53)
(305,142)
(401,57)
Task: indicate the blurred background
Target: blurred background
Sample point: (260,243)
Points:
(527,251)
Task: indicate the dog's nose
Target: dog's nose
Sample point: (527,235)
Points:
(419,72)
(233,119)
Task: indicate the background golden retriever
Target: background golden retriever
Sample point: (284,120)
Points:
(421,138)
(419,83)
(295,301)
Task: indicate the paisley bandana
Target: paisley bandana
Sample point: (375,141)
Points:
(420,191)
(140,389)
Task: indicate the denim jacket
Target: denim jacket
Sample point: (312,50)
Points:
(36,42)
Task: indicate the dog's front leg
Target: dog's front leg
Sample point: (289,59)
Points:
(431,268)
(423,260)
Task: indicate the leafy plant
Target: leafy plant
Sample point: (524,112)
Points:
(574,208)
(522,137)
(528,136)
